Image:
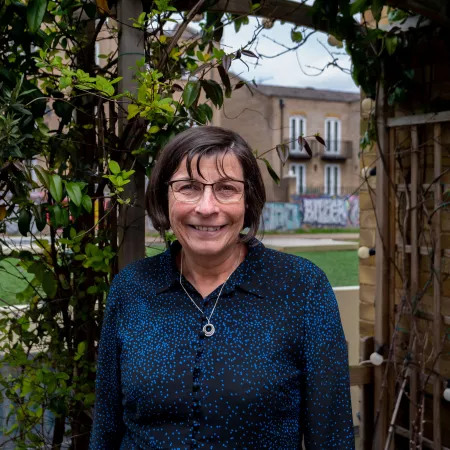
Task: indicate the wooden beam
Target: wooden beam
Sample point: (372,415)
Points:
(361,375)
(419,119)
(437,325)
(286,10)
(426,442)
(433,9)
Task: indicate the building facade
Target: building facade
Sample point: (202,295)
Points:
(269,115)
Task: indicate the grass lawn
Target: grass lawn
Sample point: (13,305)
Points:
(341,267)
(315,231)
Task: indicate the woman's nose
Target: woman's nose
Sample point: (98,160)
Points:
(207,203)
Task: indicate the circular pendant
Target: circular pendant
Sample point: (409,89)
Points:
(209,329)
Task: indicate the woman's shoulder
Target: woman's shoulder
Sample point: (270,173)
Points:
(148,267)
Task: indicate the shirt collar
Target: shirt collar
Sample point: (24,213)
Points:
(243,278)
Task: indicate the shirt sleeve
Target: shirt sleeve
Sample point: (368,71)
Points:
(326,406)
(108,427)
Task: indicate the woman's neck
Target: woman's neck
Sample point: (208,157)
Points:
(206,273)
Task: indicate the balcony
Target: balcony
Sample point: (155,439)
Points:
(335,150)
(296,154)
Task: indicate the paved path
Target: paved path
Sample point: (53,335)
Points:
(283,242)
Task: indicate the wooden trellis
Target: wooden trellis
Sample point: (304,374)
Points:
(410,249)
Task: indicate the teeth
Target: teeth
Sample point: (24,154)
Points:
(207,228)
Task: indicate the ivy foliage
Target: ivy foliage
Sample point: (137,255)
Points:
(64,166)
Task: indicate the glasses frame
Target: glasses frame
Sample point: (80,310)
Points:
(170,183)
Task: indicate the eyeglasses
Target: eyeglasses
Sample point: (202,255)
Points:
(191,191)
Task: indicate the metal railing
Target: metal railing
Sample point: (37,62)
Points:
(336,150)
(333,151)
(344,191)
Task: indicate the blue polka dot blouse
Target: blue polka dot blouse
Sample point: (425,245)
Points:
(274,374)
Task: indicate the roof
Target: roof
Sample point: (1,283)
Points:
(308,93)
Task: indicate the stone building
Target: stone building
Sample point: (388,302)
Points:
(268,115)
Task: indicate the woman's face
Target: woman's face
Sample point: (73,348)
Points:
(207,227)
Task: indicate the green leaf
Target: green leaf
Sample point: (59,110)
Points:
(39,217)
(42,175)
(87,203)
(63,110)
(35,13)
(133,110)
(282,152)
(213,91)
(74,191)
(202,114)
(296,36)
(226,62)
(56,216)
(81,347)
(391,43)
(249,53)
(38,269)
(49,284)
(114,167)
(225,80)
(377,9)
(358,6)
(191,93)
(153,129)
(55,187)
(272,172)
(24,222)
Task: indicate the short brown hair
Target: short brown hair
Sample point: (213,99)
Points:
(199,142)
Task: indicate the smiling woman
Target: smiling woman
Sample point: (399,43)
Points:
(219,342)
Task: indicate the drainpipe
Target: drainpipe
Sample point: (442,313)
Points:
(281,103)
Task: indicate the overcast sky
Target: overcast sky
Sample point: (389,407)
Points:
(286,70)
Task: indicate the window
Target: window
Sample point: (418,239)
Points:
(297,127)
(333,135)
(332,179)
(299,172)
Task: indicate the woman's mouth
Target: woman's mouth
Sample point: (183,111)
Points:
(211,229)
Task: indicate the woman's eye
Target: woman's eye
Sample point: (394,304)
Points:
(227,188)
(188,187)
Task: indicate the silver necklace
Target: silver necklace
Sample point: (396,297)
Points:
(209,328)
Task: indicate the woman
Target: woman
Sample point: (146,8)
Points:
(219,342)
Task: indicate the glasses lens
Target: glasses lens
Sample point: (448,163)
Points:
(187,191)
(229,191)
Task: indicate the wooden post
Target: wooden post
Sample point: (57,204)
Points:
(367,398)
(437,288)
(131,222)
(392,250)
(382,266)
(414,280)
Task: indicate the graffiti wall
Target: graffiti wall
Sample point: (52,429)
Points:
(312,211)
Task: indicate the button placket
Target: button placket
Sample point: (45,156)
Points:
(196,375)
